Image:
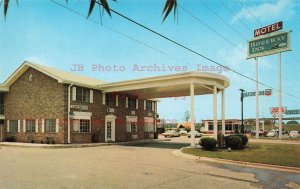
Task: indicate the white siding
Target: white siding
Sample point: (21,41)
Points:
(36,125)
(19,126)
(74,94)
(57,125)
(91,96)
(8,126)
(43,125)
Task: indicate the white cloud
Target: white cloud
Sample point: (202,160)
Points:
(282,9)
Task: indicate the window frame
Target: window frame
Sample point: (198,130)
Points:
(30,128)
(84,126)
(110,99)
(13,126)
(82,95)
(131,102)
(48,128)
(148,105)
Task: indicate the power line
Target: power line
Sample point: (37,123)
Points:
(250,13)
(188,49)
(223,20)
(211,29)
(233,14)
(120,33)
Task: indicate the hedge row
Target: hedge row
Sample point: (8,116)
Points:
(237,141)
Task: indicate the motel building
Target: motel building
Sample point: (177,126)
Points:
(231,126)
(39,104)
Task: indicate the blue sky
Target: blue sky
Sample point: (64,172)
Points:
(45,33)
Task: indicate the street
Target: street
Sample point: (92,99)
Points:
(149,165)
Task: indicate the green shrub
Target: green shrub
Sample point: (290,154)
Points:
(208,143)
(244,139)
(234,142)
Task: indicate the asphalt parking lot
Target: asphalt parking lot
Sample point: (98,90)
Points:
(150,165)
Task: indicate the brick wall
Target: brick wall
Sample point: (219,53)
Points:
(41,98)
(44,97)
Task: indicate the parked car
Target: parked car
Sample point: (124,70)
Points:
(197,134)
(294,134)
(272,133)
(171,133)
(260,133)
(183,132)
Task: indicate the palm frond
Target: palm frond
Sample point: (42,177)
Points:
(169,6)
(92,4)
(6,2)
(105,6)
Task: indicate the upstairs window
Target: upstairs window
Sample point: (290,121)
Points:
(131,102)
(110,99)
(149,105)
(82,95)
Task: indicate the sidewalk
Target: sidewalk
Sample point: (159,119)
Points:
(36,145)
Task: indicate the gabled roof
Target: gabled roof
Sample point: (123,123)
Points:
(60,76)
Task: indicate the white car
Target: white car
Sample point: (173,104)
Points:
(272,133)
(294,134)
(183,132)
(197,134)
(171,133)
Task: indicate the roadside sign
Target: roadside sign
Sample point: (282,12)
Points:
(290,112)
(267,45)
(275,110)
(268,29)
(268,92)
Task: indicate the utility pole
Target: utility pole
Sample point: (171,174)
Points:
(242,111)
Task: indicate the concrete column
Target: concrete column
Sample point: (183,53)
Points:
(223,111)
(192,115)
(215,110)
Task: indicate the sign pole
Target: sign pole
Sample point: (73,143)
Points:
(256,95)
(279,97)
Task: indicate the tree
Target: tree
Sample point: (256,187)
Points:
(169,6)
(187,116)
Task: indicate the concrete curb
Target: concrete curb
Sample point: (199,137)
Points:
(57,146)
(179,153)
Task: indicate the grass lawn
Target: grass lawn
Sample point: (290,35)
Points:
(275,154)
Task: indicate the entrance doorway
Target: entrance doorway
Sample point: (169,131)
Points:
(110,124)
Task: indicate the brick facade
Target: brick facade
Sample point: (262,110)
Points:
(44,98)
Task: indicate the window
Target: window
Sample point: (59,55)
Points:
(149,127)
(13,126)
(228,127)
(85,125)
(131,126)
(210,126)
(50,125)
(110,99)
(30,126)
(149,105)
(82,95)
(132,102)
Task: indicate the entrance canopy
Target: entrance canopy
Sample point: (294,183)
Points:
(182,84)
(173,85)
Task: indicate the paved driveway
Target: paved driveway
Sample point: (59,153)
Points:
(142,166)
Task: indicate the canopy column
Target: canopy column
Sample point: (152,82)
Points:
(192,106)
(215,111)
